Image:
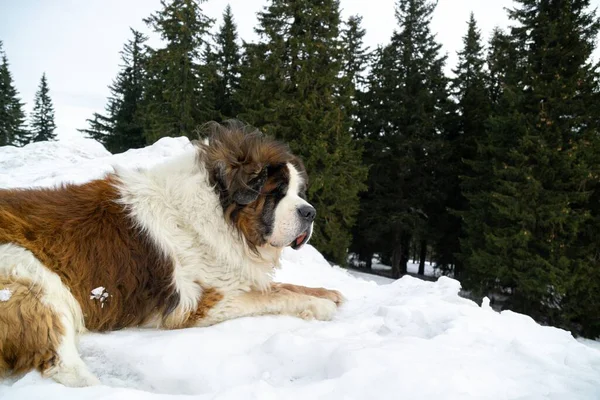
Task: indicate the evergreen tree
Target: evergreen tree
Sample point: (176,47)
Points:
(42,120)
(372,232)
(356,55)
(469,88)
(539,203)
(292,89)
(177,97)
(12,117)
(409,101)
(122,126)
(227,64)
(101,127)
(478,219)
(501,63)
(355,59)
(582,302)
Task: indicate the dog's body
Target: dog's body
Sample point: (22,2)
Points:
(192,242)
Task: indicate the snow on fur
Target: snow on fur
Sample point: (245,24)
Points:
(407,339)
(5,294)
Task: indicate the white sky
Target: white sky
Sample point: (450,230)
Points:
(77,42)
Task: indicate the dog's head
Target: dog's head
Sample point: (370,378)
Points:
(261,185)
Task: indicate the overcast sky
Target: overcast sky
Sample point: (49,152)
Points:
(77,42)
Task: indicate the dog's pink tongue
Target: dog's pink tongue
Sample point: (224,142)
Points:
(300,239)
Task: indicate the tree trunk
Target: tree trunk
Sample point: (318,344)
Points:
(404,257)
(457,269)
(369,262)
(400,256)
(422,257)
(396,273)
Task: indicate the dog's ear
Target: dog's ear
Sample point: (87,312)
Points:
(220,176)
(240,186)
(251,189)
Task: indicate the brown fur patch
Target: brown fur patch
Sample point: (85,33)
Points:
(210,298)
(241,162)
(30,331)
(82,234)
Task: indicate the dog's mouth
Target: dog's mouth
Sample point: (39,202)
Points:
(300,240)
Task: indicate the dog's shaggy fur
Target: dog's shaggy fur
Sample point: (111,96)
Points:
(192,242)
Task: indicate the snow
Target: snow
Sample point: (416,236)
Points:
(381,280)
(97,293)
(5,294)
(404,339)
(100,294)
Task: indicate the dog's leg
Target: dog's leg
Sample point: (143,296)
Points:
(278,300)
(329,294)
(39,321)
(68,368)
(37,333)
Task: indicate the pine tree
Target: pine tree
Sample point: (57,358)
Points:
(177,85)
(356,54)
(409,101)
(101,127)
(355,59)
(122,128)
(501,63)
(478,220)
(42,120)
(227,64)
(532,245)
(12,117)
(582,302)
(469,87)
(362,108)
(292,89)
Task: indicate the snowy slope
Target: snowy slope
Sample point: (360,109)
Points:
(409,339)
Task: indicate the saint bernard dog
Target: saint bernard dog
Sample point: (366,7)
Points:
(188,243)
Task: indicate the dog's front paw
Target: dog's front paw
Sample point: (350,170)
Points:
(76,376)
(318,308)
(329,294)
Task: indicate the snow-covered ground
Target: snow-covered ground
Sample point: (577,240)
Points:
(408,339)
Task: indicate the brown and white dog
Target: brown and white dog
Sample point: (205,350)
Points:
(192,242)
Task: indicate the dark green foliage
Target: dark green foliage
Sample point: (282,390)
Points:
(542,147)
(469,87)
(122,126)
(177,98)
(12,117)
(292,88)
(408,101)
(226,62)
(42,119)
(356,56)
(355,59)
(100,126)
(372,233)
(477,220)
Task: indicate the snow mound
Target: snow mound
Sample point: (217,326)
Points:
(77,160)
(408,339)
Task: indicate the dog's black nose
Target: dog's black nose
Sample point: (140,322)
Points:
(307,212)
